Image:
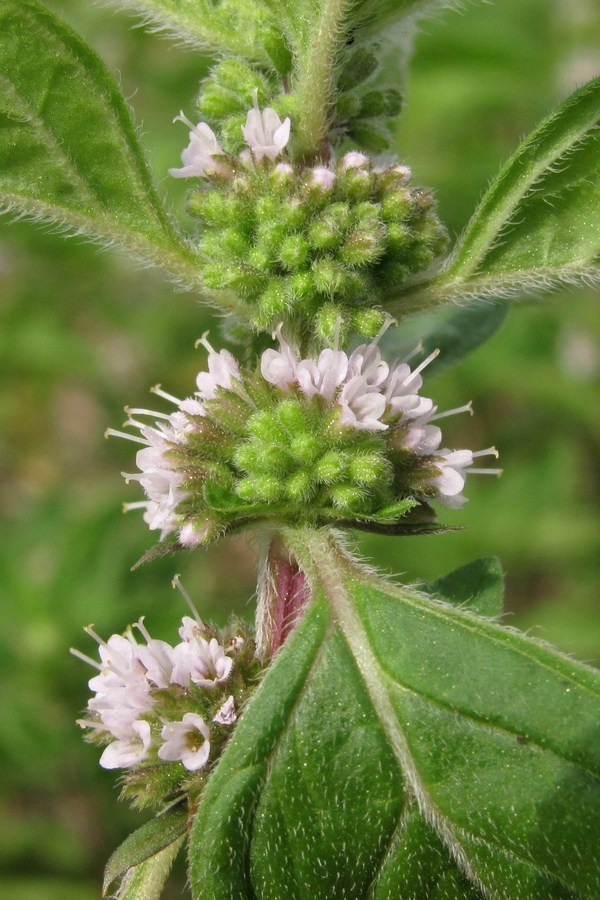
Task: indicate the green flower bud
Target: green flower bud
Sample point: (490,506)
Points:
(397,205)
(331,467)
(294,251)
(331,278)
(368,321)
(259,489)
(363,246)
(361,64)
(348,497)
(305,447)
(369,468)
(300,487)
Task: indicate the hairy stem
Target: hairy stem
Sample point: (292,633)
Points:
(315,80)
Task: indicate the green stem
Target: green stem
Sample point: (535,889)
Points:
(314,81)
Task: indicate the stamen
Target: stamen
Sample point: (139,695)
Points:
(142,629)
(490,451)
(160,393)
(468,407)
(423,365)
(387,324)
(85,659)
(111,432)
(176,583)
(139,504)
(138,411)
(89,629)
(276,335)
(485,471)
(203,340)
(88,723)
(132,476)
(183,118)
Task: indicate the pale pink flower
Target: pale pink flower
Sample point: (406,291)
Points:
(226,714)
(324,375)
(156,656)
(198,158)
(200,661)
(362,408)
(278,367)
(322,177)
(354,160)
(452,466)
(366,361)
(130,748)
(223,370)
(265,133)
(187,742)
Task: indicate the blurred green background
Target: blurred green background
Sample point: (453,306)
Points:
(83,332)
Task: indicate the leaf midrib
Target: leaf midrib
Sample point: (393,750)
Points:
(372,674)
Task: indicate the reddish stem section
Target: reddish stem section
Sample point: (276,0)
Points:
(288,594)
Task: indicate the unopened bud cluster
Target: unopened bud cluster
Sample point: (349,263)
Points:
(163,713)
(341,438)
(315,246)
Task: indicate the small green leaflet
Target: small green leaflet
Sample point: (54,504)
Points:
(538,225)
(145,843)
(147,880)
(478,587)
(401,746)
(69,154)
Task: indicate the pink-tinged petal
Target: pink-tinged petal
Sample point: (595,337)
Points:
(226,714)
(122,754)
(322,177)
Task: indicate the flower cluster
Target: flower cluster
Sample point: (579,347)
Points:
(339,438)
(314,245)
(154,703)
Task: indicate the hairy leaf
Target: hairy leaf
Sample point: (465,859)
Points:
(235,26)
(147,880)
(147,841)
(478,586)
(69,153)
(400,746)
(538,225)
(454,332)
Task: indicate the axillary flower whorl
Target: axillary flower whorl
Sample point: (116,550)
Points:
(341,438)
(313,245)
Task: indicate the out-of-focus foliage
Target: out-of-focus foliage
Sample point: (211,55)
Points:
(82,333)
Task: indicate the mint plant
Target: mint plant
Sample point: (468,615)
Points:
(366,739)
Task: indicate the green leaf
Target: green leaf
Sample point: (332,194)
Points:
(146,881)
(538,225)
(234,26)
(454,332)
(147,841)
(478,587)
(404,747)
(69,154)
